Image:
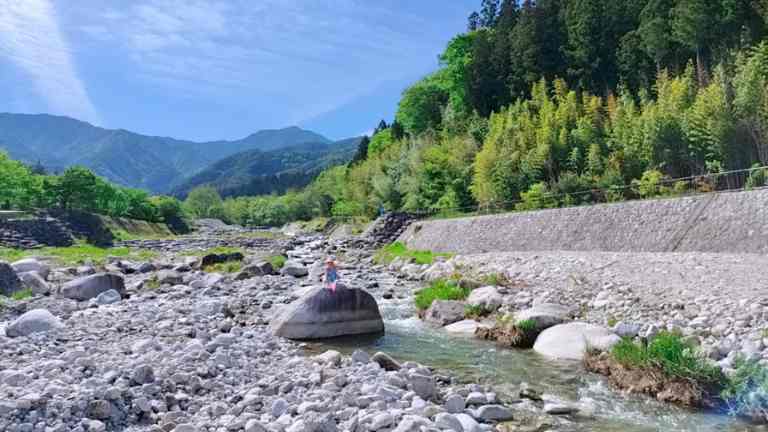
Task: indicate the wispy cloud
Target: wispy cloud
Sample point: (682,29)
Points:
(31,38)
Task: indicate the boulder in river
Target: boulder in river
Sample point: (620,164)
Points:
(322,314)
(544,315)
(212,259)
(88,287)
(487,298)
(571,341)
(34,321)
(444,312)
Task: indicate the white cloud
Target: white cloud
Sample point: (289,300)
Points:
(31,38)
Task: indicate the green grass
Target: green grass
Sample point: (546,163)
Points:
(670,353)
(389,253)
(526,325)
(220,250)
(151,284)
(612,321)
(123,235)
(440,290)
(474,311)
(22,295)
(226,267)
(78,254)
(277,261)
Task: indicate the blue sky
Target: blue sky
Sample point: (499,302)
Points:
(209,69)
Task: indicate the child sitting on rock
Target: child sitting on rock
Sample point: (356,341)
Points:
(331,274)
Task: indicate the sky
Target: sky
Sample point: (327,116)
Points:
(206,70)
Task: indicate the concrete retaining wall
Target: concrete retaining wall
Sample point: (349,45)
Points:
(735,222)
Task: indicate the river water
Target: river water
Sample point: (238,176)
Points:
(471,360)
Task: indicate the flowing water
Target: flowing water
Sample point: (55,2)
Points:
(471,360)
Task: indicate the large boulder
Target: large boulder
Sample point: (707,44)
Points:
(571,341)
(487,298)
(88,287)
(262,268)
(212,259)
(34,321)
(544,315)
(9,281)
(321,314)
(295,269)
(31,264)
(444,312)
(35,282)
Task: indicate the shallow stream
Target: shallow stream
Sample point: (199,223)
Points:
(471,360)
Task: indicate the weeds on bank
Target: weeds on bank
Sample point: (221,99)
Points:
(389,253)
(219,250)
(440,290)
(672,354)
(22,295)
(475,312)
(78,254)
(277,261)
(225,267)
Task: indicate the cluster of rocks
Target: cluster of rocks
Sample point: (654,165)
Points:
(387,228)
(34,232)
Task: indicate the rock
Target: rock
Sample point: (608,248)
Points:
(255,270)
(35,282)
(32,265)
(88,287)
(424,386)
(279,407)
(448,421)
(465,327)
(96,426)
(571,341)
(34,321)
(360,357)
(211,259)
(329,357)
(9,281)
(254,425)
(385,361)
(108,297)
(494,413)
(170,277)
(294,268)
(487,298)
(185,427)
(143,374)
(411,423)
(467,422)
(444,312)
(321,314)
(544,315)
(559,409)
(146,267)
(99,409)
(454,404)
(476,398)
(382,421)
(626,330)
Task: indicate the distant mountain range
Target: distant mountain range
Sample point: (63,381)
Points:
(161,164)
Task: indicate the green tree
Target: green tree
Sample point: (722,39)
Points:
(421,107)
(204,202)
(77,188)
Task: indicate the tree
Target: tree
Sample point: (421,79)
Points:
(204,202)
(362,151)
(693,26)
(421,107)
(489,13)
(473,22)
(77,188)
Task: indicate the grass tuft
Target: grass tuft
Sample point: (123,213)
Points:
(22,295)
(277,261)
(225,267)
(440,290)
(526,325)
(219,250)
(78,254)
(389,253)
(474,312)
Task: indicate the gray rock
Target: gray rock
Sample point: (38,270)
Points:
(544,315)
(626,330)
(185,427)
(487,298)
(34,321)
(170,277)
(571,341)
(411,423)
(88,287)
(559,409)
(255,270)
(444,312)
(385,361)
(321,314)
(476,398)
(448,421)
(424,386)
(464,327)
(279,407)
(146,267)
(254,425)
(360,357)
(35,282)
(9,281)
(494,413)
(454,404)
(32,265)
(382,421)
(467,422)
(143,374)
(108,297)
(294,268)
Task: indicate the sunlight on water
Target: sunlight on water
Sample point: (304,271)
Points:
(471,360)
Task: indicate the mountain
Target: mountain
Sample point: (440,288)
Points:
(127,158)
(256,172)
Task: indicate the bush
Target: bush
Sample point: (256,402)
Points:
(277,261)
(757,178)
(389,253)
(746,392)
(440,290)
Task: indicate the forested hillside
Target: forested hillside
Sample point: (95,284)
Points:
(540,100)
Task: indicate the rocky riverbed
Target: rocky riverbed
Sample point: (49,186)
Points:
(163,346)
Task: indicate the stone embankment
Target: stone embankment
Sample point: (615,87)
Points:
(728,222)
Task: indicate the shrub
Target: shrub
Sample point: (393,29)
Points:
(225,267)
(474,311)
(746,392)
(527,325)
(757,178)
(440,290)
(389,253)
(277,261)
